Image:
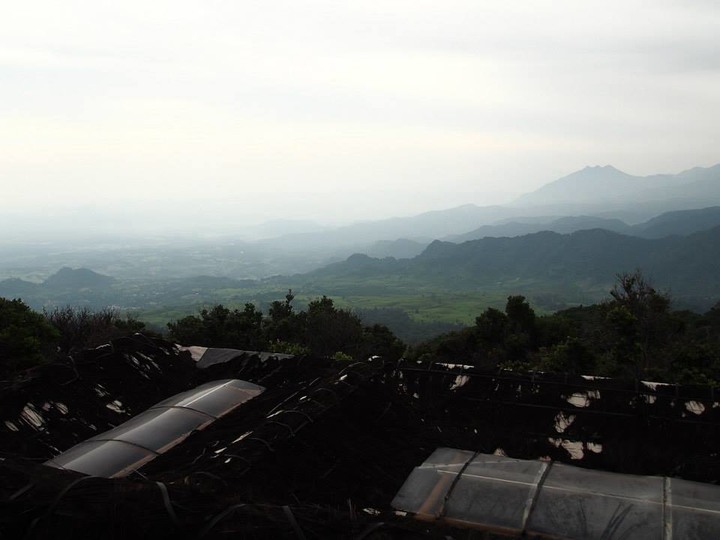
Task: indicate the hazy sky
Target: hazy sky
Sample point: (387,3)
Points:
(344,109)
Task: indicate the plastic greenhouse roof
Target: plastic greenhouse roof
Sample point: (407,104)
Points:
(550,499)
(127,447)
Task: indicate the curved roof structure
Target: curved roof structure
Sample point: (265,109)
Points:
(551,500)
(126,448)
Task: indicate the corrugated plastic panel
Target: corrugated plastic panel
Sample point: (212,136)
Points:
(108,459)
(497,487)
(216,398)
(434,490)
(695,509)
(553,500)
(127,447)
(158,429)
(582,503)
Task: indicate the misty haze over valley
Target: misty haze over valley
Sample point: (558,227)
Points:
(403,159)
(561,245)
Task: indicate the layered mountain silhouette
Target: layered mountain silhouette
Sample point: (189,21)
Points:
(578,231)
(689,266)
(681,222)
(607,188)
(594,197)
(563,225)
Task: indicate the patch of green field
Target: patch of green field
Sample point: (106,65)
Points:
(428,306)
(157,319)
(423,303)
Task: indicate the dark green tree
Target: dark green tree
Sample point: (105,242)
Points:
(640,323)
(492,327)
(571,356)
(26,337)
(378,340)
(222,327)
(521,317)
(329,330)
(283,325)
(521,339)
(189,330)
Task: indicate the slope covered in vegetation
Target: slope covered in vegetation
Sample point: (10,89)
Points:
(635,333)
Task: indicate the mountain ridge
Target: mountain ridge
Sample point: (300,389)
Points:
(678,222)
(607,185)
(689,266)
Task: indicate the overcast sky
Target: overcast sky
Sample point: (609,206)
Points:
(342,110)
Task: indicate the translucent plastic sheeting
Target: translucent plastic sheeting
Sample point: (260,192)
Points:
(217,356)
(552,500)
(215,398)
(582,503)
(108,459)
(158,430)
(209,356)
(124,449)
(695,509)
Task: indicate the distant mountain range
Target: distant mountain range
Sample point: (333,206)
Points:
(563,225)
(585,260)
(594,197)
(578,231)
(680,222)
(425,226)
(607,188)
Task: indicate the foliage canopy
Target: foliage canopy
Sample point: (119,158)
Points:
(26,337)
(634,334)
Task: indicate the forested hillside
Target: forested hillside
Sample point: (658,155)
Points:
(634,333)
(28,338)
(585,260)
(679,223)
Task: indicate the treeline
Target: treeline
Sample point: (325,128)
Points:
(28,338)
(321,330)
(634,334)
